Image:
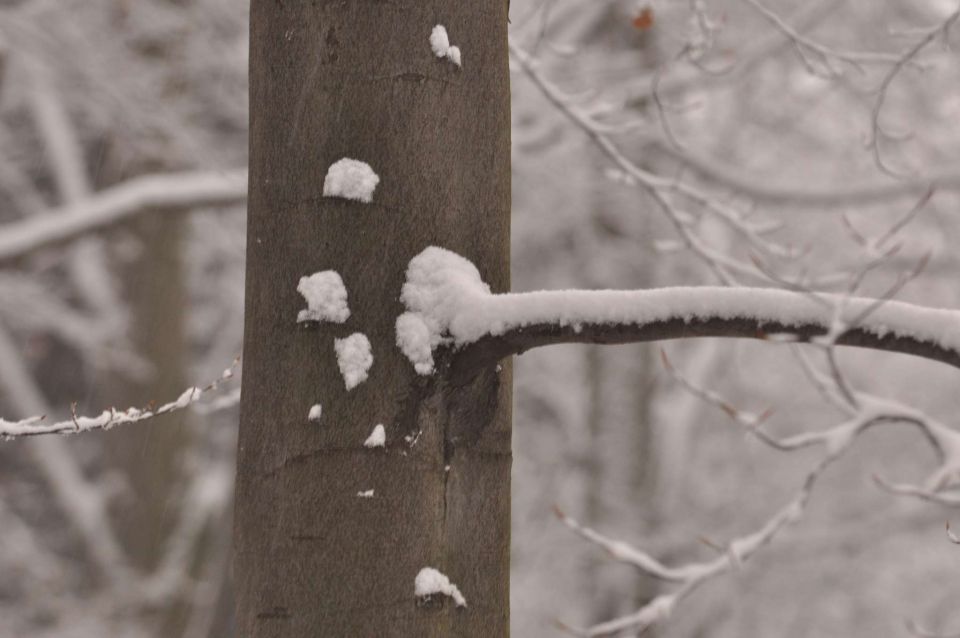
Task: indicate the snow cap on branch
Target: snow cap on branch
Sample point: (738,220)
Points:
(440,284)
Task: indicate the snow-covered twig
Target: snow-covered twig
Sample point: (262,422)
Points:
(835,441)
(658,188)
(876,130)
(34,426)
(689,577)
(805,45)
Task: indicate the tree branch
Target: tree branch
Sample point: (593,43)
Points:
(449,304)
(491,349)
(114,205)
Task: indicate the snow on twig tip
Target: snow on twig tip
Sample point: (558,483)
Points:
(350,179)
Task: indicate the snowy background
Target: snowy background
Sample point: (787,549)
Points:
(768,110)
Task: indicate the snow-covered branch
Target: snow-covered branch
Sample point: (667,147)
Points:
(689,577)
(108,419)
(449,304)
(113,205)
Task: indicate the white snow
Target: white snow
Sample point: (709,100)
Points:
(326,297)
(315,412)
(453,54)
(365,494)
(350,179)
(429,581)
(416,340)
(439,283)
(377,438)
(106,420)
(448,303)
(353,358)
(187,397)
(440,43)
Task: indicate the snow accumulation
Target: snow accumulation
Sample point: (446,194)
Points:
(439,284)
(326,297)
(448,303)
(350,179)
(440,43)
(417,341)
(377,438)
(103,421)
(353,358)
(315,412)
(430,582)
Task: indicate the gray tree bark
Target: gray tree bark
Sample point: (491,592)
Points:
(332,80)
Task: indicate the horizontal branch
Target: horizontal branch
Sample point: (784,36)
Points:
(113,205)
(491,349)
(448,304)
(108,419)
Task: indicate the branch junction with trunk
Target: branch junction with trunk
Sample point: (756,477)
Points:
(448,304)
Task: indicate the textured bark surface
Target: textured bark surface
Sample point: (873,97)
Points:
(359,80)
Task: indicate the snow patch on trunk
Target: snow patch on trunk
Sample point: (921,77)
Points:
(326,297)
(377,438)
(353,358)
(430,582)
(350,179)
(440,44)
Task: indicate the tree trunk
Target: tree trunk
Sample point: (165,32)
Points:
(332,80)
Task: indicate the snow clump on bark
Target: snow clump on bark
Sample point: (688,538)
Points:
(326,297)
(353,358)
(350,179)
